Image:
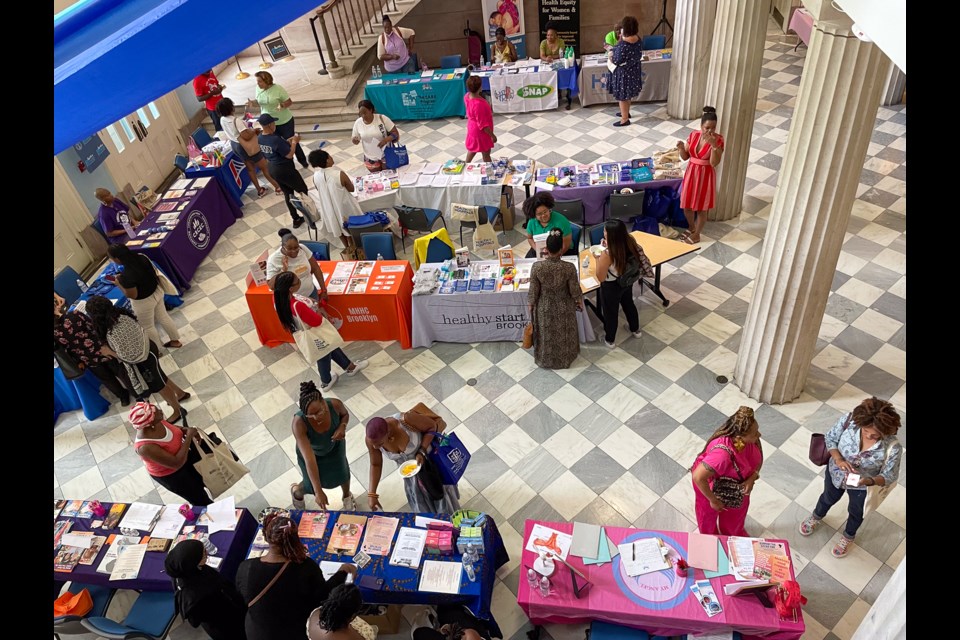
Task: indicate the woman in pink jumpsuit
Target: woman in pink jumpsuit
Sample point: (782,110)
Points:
(733,451)
(480,138)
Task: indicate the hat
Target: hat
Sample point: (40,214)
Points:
(142,414)
(266,118)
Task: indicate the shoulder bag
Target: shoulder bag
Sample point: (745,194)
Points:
(269,584)
(818,453)
(394,155)
(729,490)
(316,342)
(217,465)
(69,366)
(877,494)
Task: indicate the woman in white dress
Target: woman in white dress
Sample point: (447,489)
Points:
(333,195)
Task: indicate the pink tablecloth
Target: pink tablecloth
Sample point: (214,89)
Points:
(802,23)
(660,602)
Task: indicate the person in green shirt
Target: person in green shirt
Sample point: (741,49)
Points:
(541,217)
(553,47)
(613,37)
(275,101)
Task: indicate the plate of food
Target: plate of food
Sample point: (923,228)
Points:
(409,468)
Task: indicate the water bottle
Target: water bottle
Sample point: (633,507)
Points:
(379,256)
(82,285)
(544,586)
(481,62)
(532,581)
(379,72)
(473,553)
(373,71)
(468,567)
(209,546)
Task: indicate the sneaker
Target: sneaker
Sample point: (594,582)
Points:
(357,367)
(423,619)
(349,503)
(808,526)
(638,334)
(333,380)
(610,345)
(298,503)
(298,223)
(842,547)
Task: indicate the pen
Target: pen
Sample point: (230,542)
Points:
(633,548)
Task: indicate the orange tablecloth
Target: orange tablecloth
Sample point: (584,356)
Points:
(381,315)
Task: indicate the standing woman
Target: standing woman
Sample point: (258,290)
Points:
(552,47)
(140,283)
(395,48)
(241,139)
(626,81)
(622,256)
(375,131)
(320,429)
(704,150)
(165,449)
(275,100)
(724,474)
(401,438)
(334,199)
(554,299)
(503,50)
(202,596)
(289,304)
(863,442)
(480,136)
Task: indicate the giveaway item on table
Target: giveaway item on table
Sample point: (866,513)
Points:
(379,535)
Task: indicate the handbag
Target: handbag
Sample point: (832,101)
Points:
(450,457)
(729,490)
(316,342)
(818,452)
(70,366)
(73,604)
(528,336)
(430,480)
(394,155)
(877,494)
(218,467)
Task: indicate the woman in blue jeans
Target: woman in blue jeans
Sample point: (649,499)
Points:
(308,312)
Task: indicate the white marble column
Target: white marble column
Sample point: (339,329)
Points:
(835,114)
(692,37)
(732,83)
(896,82)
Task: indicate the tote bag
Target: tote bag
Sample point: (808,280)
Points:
(449,456)
(217,465)
(395,156)
(316,342)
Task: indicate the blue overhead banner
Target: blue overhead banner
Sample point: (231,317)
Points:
(111,57)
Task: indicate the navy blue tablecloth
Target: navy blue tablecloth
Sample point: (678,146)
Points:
(232,174)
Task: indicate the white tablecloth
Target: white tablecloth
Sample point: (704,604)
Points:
(438,197)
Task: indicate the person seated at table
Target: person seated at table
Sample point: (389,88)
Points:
(452,622)
(552,47)
(127,342)
(337,618)
(74,332)
(395,48)
(503,50)
(621,256)
(406,437)
(282,587)
(480,136)
(279,153)
(141,284)
(375,132)
(166,453)
(111,215)
(243,141)
(541,217)
(290,256)
(333,194)
(612,38)
(202,596)
(554,299)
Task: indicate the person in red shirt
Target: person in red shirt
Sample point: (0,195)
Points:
(209,90)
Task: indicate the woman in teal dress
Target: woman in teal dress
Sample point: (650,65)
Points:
(320,429)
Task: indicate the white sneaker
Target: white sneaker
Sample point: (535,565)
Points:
(638,333)
(333,380)
(357,367)
(610,345)
(424,618)
(349,503)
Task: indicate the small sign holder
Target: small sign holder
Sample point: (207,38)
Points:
(277,49)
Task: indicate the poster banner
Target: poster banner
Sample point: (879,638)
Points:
(509,15)
(522,92)
(92,152)
(565,16)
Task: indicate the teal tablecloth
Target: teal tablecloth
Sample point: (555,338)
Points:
(422,100)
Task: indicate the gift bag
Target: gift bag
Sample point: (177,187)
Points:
(217,466)
(485,238)
(316,342)
(395,156)
(73,604)
(450,457)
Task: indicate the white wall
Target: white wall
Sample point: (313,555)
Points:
(885,21)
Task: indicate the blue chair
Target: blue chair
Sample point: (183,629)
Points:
(150,618)
(99,227)
(450,62)
(656,41)
(320,250)
(65,284)
(417,219)
(485,213)
(180,161)
(595,234)
(438,251)
(201,137)
(357,232)
(70,625)
(575,231)
(606,631)
(380,243)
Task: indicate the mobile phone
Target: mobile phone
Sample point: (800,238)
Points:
(370,582)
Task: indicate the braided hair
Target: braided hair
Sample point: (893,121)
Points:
(736,425)
(281,299)
(341,607)
(282,532)
(308,395)
(454,632)
(104,314)
(879,414)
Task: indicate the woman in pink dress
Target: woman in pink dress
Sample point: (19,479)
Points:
(480,137)
(724,474)
(703,149)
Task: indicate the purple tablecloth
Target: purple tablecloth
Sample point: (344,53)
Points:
(202,222)
(231,546)
(595,196)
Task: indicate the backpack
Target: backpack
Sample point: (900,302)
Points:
(631,274)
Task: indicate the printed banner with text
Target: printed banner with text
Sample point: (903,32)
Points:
(565,16)
(509,15)
(522,92)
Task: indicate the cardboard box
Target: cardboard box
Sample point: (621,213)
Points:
(506,220)
(388,622)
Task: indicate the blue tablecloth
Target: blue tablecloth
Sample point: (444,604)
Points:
(566,79)
(401,583)
(421,100)
(232,174)
(81,393)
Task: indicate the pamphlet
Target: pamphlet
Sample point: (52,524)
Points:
(141,516)
(337,285)
(409,547)
(116,542)
(343,269)
(220,516)
(127,566)
(549,540)
(707,597)
(643,556)
(345,537)
(379,536)
(313,524)
(364,268)
(90,554)
(169,524)
(431,168)
(67,558)
(425,180)
(357,285)
(440,577)
(71,509)
(763,552)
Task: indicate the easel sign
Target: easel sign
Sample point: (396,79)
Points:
(277,48)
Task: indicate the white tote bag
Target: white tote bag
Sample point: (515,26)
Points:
(219,469)
(877,494)
(316,342)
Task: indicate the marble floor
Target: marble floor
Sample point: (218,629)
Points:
(609,440)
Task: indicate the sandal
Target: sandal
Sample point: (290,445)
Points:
(170,344)
(261,191)
(298,503)
(185,396)
(278,191)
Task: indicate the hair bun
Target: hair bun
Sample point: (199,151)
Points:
(309,385)
(709,110)
(284,232)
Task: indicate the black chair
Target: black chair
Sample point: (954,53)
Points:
(307,212)
(575,231)
(572,210)
(357,232)
(415,219)
(625,206)
(485,213)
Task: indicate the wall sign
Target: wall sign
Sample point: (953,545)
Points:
(565,16)
(92,152)
(509,15)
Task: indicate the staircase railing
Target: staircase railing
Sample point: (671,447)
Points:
(350,19)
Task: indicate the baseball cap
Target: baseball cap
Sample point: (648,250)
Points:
(266,118)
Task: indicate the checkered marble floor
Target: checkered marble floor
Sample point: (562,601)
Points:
(609,440)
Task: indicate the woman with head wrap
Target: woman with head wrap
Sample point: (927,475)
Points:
(164,448)
(202,596)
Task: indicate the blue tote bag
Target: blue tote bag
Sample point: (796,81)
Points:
(395,156)
(450,457)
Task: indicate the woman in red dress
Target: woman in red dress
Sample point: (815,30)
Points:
(703,149)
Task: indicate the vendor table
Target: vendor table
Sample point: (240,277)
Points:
(401,583)
(660,603)
(595,196)
(231,546)
(435,197)
(802,23)
(381,315)
(232,174)
(478,317)
(562,79)
(416,98)
(203,217)
(595,76)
